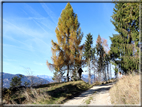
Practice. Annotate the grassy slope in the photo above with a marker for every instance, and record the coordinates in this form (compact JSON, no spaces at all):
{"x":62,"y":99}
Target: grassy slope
{"x":126,"y":90}
{"x":55,"y":93}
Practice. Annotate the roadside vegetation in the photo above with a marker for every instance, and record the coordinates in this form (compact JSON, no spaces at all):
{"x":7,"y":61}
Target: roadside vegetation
{"x":89,"y":100}
{"x":124,"y":53}
{"x":54,"y":93}
{"x":126,"y":90}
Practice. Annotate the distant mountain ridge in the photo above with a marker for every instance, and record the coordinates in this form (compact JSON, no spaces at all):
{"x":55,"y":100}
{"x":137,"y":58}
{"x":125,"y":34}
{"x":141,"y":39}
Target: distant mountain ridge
{"x":8,"y":77}
{"x":38,"y":79}
{"x":85,"y":78}
{"x":46,"y":77}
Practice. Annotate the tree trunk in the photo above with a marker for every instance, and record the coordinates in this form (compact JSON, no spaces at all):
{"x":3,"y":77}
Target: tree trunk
{"x":99,"y":74}
{"x":60,"y":77}
{"x":68,"y":74}
{"x":110,"y":71}
{"x":94,"y":76}
{"x":104,"y":70}
{"x":107,"y":72}
{"x":89,"y":76}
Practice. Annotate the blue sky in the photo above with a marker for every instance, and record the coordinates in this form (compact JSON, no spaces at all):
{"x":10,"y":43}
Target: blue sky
{"x":28,"y":29}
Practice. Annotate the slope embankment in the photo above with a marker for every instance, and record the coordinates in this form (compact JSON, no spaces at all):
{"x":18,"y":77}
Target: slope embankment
{"x":54,"y":93}
{"x":126,"y":90}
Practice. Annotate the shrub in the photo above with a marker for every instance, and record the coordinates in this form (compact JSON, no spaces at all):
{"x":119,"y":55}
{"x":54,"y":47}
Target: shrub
{"x":26,"y":84}
{"x":97,"y":83}
{"x":16,"y":81}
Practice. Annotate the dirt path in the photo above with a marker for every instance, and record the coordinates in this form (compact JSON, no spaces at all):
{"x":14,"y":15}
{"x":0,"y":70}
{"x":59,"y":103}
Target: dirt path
{"x":97,"y":95}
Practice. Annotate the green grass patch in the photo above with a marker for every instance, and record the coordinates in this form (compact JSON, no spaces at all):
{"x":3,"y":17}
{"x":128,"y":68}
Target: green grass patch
{"x":89,"y":100}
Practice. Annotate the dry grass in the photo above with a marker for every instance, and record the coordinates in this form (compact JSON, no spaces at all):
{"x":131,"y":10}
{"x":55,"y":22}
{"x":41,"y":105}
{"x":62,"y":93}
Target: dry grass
{"x":56,"y":93}
{"x":97,"y":83}
{"x":105,"y":82}
{"x":111,"y":80}
{"x":126,"y":90}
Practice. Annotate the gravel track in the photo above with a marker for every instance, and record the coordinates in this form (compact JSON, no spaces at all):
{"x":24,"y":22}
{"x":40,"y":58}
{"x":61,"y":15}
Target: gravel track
{"x":100,"y":96}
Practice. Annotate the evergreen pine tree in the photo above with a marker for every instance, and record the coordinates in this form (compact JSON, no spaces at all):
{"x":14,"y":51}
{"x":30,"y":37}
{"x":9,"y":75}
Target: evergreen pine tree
{"x":124,"y":47}
{"x":16,"y":81}
{"x":101,"y":55}
{"x":88,"y":53}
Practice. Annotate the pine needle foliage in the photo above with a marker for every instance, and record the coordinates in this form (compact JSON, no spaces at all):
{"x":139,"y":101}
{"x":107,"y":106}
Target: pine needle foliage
{"x":124,"y":47}
{"x":88,"y":46}
{"x":16,"y":81}
{"x":89,"y":53}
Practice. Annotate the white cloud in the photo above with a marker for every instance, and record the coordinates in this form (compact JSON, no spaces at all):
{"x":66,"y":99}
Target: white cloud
{"x":32,"y":36}
{"x":40,"y":26}
{"x":11,"y":46}
{"x":26,"y":26}
{"x":39,"y":63}
{"x":10,"y":60}
{"x":21,"y":30}
{"x":43,"y":21}
{"x":24,"y":12}
{"x":23,"y":47}
{"x":8,"y":67}
{"x":37,"y":45}
{"x":49,"y":12}
{"x":31,"y":10}
{"x":47,"y":24}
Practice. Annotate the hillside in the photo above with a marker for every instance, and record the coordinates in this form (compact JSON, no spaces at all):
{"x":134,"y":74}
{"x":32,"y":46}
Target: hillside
{"x":53,"y":93}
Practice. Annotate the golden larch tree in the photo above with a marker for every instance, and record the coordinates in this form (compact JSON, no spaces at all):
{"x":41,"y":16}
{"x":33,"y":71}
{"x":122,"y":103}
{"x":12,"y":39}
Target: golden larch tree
{"x":66,"y":53}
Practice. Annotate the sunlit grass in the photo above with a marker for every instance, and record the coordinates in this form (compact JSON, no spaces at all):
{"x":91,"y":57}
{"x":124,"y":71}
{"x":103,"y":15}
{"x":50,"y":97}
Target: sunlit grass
{"x":89,"y":100}
{"x":126,"y":90}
